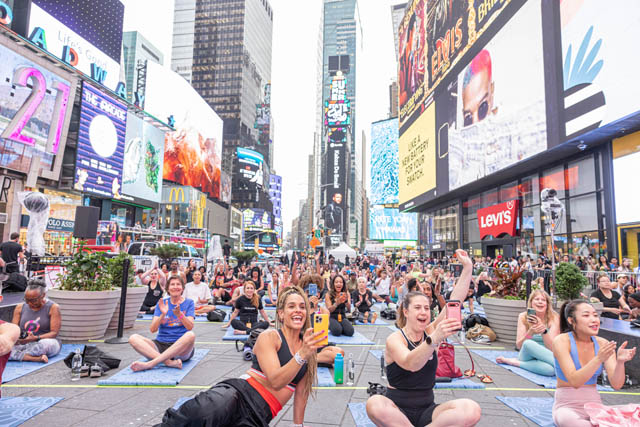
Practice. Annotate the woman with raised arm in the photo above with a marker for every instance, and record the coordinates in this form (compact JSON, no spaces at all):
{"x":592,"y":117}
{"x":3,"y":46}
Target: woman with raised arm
{"x":284,"y":365}
{"x":411,"y":357}
{"x":580,"y":355}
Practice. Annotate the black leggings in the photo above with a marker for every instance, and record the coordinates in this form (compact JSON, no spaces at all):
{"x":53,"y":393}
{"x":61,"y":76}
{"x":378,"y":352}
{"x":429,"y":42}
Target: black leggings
{"x":230,"y":403}
{"x":416,"y":405}
{"x":239,"y":325}
{"x":341,"y":328}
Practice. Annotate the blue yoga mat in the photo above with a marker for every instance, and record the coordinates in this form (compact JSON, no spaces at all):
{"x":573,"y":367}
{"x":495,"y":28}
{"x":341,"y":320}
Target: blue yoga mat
{"x":378,"y":322}
{"x":546,"y":382}
{"x":17,"y":410}
{"x":325,"y":378}
{"x":359,"y":414}
{"x":230,"y":336}
{"x":536,"y":409}
{"x":180,"y":401}
{"x":357,"y":338}
{"x":15,"y":369}
{"x":230,"y":308}
{"x":160,"y":375}
{"x":149,"y":317}
{"x":377,"y":353}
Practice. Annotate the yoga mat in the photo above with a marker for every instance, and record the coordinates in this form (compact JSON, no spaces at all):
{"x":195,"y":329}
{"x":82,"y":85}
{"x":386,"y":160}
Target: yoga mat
{"x":325,"y":378}
{"x":15,"y":369}
{"x":359,"y":414}
{"x":202,"y":318}
{"x":357,"y":338}
{"x":377,"y":353}
{"x":230,"y":308}
{"x":230,"y":336}
{"x":160,"y":375}
{"x":378,"y":322}
{"x":180,"y":401}
{"x":17,"y":410}
{"x":546,"y":382}
{"x":536,"y":409}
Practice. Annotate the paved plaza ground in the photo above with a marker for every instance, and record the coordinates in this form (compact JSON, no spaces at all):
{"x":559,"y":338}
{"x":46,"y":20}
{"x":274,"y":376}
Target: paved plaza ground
{"x":86,"y":404}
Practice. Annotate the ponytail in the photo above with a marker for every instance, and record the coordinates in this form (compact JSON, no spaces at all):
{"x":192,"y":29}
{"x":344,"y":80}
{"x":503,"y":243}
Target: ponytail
{"x":568,"y":311}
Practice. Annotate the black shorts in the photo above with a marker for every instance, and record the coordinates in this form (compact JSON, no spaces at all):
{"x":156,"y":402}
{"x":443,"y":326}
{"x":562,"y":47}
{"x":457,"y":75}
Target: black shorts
{"x":416,"y":405}
{"x":163,"y":346}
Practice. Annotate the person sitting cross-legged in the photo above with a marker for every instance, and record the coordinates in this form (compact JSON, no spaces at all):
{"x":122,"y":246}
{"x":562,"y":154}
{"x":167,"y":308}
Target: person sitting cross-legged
{"x":244,"y":318}
{"x":173,"y":319}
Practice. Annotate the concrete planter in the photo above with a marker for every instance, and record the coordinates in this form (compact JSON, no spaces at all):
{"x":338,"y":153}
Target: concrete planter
{"x":85,"y":314}
{"x":135,"y":297}
{"x":502,"y":315}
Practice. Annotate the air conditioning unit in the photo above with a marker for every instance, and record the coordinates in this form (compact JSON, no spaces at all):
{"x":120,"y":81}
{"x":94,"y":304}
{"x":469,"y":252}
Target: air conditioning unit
{"x":3,"y":218}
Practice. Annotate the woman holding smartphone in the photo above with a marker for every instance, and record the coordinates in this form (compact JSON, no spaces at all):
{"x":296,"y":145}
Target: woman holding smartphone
{"x":338,"y":302}
{"x":412,"y":360}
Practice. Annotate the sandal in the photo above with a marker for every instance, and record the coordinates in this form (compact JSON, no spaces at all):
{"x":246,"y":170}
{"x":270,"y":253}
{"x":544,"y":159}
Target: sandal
{"x":96,"y":371}
{"x":485,"y":379}
{"x":470,"y":373}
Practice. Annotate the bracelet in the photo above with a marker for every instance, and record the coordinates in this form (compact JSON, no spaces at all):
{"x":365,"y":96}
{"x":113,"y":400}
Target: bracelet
{"x":299,"y":360}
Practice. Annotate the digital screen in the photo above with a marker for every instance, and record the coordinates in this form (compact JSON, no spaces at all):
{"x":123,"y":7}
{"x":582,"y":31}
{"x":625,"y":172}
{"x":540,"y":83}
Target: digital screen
{"x":256,"y":219}
{"x":225,"y":187}
{"x":337,"y":108}
{"x":143,"y":160}
{"x":100,"y":156}
{"x":34,"y":114}
{"x":626,"y":159}
{"x":390,"y":224}
{"x":384,"y":162}
{"x":193,"y":152}
{"x":335,"y":212}
{"x":250,"y":166}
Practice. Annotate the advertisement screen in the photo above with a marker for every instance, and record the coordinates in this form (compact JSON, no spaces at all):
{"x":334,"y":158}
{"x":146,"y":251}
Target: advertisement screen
{"x":600,"y":73}
{"x":384,"y":162}
{"x":35,"y":110}
{"x":626,"y":158}
{"x":417,"y":157}
{"x":85,"y":34}
{"x":390,"y":224}
{"x":103,"y":122}
{"x":251,"y":166}
{"x":254,"y":219}
{"x":335,"y":213}
{"x":193,"y":153}
{"x":225,"y":187}
{"x":143,"y":160}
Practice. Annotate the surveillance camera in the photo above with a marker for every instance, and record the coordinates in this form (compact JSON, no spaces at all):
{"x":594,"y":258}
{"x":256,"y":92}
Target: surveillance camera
{"x":582,"y":146}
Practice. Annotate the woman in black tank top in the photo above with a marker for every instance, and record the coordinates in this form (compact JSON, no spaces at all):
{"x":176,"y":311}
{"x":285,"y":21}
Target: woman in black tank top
{"x":411,"y":356}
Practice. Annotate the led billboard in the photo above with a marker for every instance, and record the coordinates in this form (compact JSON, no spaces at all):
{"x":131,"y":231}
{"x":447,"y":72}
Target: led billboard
{"x":390,"y":224}
{"x":225,"y":187}
{"x":256,"y":219}
{"x":384,"y":162}
{"x":250,"y":166}
{"x":193,"y":152}
{"x":143,"y":160}
{"x":100,"y":144}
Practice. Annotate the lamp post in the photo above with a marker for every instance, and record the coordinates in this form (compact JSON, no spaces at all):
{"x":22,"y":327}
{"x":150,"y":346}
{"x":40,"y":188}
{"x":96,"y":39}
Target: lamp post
{"x":553,"y":208}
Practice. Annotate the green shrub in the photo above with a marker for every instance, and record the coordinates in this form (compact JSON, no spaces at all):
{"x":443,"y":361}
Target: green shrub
{"x":569,"y":281}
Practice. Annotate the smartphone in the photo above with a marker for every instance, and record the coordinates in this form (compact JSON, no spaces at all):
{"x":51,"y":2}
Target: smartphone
{"x":531,"y":312}
{"x":453,"y":310}
{"x":313,"y":290}
{"x":321,"y":323}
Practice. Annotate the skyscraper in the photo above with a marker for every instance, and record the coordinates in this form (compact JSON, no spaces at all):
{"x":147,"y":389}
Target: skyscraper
{"x":136,"y":48}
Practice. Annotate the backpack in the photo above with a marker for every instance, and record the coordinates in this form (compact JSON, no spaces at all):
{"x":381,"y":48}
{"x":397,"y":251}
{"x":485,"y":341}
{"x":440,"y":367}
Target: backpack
{"x":216,"y":315}
{"x":253,"y":337}
{"x":473,"y":320}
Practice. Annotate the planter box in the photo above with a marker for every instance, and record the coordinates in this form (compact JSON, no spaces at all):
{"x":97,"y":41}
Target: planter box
{"x":502,"y":315}
{"x":135,"y":297}
{"x":85,"y":314}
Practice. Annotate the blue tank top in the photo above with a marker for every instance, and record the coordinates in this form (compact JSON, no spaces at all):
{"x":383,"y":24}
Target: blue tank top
{"x":576,"y":361}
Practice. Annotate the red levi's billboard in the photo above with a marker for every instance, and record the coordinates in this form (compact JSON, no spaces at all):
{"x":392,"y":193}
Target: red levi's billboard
{"x":498,"y":219}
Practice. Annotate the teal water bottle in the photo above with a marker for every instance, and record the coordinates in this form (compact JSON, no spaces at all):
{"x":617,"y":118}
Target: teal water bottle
{"x":338,"y":369}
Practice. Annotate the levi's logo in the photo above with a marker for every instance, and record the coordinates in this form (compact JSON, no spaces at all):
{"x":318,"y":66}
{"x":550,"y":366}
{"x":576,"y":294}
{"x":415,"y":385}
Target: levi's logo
{"x":498,"y":219}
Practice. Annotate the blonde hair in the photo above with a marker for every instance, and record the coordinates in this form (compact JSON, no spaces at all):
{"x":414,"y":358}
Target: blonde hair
{"x":255,"y":299}
{"x":312,"y":363}
{"x":549,"y":314}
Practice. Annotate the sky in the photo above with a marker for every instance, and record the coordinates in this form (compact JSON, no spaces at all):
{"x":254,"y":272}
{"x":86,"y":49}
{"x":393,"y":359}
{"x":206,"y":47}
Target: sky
{"x":294,"y":79}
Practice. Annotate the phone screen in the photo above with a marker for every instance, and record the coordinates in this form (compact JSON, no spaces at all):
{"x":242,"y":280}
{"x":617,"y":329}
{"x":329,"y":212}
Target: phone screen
{"x":313,"y":290}
{"x":531,"y":311}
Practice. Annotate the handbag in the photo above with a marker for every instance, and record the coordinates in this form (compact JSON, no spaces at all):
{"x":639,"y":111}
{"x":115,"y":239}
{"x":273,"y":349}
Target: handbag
{"x":481,"y":330}
{"x":447,"y":361}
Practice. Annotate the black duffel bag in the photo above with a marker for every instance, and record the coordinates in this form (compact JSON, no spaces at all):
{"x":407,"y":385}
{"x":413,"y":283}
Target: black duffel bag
{"x":216,"y":315}
{"x":92,"y":355}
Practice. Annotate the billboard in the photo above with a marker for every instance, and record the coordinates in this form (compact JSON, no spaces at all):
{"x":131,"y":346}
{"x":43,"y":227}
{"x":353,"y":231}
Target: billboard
{"x":417,"y":157}
{"x":35,"y":111}
{"x":193,"y":152}
{"x":100,"y":144}
{"x":85,"y":34}
{"x":335,"y":212}
{"x":390,"y":224}
{"x":384,"y":162}
{"x":225,"y":187}
{"x":250,"y":166}
{"x":143,"y":160}
{"x":256,"y":219}
{"x":337,"y":108}
{"x":626,"y":158}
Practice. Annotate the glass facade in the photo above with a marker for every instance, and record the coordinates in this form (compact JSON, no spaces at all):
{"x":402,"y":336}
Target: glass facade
{"x":136,"y":48}
{"x":438,"y":230}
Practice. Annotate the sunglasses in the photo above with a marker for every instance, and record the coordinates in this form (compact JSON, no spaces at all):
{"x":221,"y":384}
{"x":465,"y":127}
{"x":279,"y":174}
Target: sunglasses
{"x":483,"y":110}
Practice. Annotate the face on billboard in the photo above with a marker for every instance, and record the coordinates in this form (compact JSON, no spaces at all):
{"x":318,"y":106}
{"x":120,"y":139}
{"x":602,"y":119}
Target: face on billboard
{"x":384,"y":162}
{"x":335,"y":216}
{"x":251,"y":166}
{"x":256,"y":219}
{"x":143,"y":160}
{"x":34,"y":114}
{"x":100,"y":144}
{"x":225,"y":187}
{"x":390,"y":224}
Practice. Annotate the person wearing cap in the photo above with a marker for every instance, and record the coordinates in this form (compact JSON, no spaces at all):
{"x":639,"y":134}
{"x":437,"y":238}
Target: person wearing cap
{"x":622,"y":281}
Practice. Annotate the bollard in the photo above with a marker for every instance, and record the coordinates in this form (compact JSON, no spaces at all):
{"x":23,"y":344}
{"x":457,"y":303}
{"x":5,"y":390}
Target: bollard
{"x":118,"y":339}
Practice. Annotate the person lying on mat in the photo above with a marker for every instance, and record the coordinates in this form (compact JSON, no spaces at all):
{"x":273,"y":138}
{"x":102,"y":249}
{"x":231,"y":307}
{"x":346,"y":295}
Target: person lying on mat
{"x":411,"y":358}
{"x":245,"y":316}
{"x":156,"y":282}
{"x":284,"y":365}
{"x":198,"y":292}
{"x":363,"y":301}
{"x":338,"y":302}
{"x":535,"y":335}
{"x":579,"y":356}
{"x":173,"y":320}
{"x":39,"y":321}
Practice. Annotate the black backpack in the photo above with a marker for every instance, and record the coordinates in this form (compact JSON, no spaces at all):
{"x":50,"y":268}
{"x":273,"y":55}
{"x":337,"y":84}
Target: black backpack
{"x":474,"y":319}
{"x":216,"y":315}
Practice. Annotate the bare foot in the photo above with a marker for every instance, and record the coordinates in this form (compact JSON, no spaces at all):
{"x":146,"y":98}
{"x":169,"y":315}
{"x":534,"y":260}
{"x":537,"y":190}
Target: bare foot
{"x":44,"y":358}
{"x":237,"y":332}
{"x":507,"y":361}
{"x":138,"y":366}
{"x":173,"y":363}
{"x":375,"y":317}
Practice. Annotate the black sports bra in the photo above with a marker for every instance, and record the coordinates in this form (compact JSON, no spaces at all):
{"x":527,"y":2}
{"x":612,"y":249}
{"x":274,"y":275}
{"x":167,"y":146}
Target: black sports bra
{"x":424,"y":379}
{"x":284,"y":355}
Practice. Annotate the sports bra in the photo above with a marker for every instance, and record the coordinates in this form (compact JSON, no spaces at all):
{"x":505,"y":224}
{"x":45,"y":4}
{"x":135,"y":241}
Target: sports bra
{"x":284,"y":355}
{"x":576,"y":361}
{"x":424,"y":379}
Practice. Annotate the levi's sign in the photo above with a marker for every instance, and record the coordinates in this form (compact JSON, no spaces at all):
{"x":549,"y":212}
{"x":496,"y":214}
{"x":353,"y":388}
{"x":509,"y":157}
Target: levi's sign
{"x":498,"y":219}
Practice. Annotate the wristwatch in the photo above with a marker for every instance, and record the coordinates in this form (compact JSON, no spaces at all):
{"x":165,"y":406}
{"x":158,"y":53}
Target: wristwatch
{"x":545,"y":331}
{"x":428,"y":340}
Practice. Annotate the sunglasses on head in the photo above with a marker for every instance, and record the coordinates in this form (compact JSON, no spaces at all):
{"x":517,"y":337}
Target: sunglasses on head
{"x":483,"y":110}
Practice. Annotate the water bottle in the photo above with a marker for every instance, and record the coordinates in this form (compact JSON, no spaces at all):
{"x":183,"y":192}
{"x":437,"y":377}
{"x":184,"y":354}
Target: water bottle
{"x":383,"y":368}
{"x":338,"y":369}
{"x":351,"y":370}
{"x":605,"y":379}
{"x":76,"y":365}
{"x":461,"y":336}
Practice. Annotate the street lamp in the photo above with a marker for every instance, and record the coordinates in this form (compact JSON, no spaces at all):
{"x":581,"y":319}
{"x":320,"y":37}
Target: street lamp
{"x":553,"y":209}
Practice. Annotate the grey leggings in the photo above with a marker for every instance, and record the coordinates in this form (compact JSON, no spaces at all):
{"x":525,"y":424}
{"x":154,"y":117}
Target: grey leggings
{"x":48,"y":346}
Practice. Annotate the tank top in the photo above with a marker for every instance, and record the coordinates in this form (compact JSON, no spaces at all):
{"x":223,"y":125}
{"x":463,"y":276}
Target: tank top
{"x":341,"y":309}
{"x":424,"y":379}
{"x":36,"y":322}
{"x":284,"y":356}
{"x":153,"y":295}
{"x":576,"y":361}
